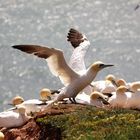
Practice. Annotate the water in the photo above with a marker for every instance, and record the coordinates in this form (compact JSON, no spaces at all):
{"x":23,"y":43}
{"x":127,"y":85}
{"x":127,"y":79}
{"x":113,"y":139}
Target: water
{"x":112,"y":27}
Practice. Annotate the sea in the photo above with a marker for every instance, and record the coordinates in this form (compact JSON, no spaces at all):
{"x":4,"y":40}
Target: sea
{"x":111,"y":26}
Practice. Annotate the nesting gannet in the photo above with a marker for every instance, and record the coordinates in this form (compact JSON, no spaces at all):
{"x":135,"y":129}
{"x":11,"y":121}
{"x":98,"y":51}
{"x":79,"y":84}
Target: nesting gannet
{"x":33,"y":105}
{"x":1,"y":136}
{"x":13,"y":118}
{"x":133,"y":101}
{"x":105,"y":86}
{"x":119,"y":98}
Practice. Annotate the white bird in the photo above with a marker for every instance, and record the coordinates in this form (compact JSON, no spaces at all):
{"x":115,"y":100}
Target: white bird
{"x":105,"y":86}
{"x":72,"y":81}
{"x":32,"y":105}
{"x":119,"y":98}
{"x":133,"y":101}
{"x":95,"y":99}
{"x":14,"y":118}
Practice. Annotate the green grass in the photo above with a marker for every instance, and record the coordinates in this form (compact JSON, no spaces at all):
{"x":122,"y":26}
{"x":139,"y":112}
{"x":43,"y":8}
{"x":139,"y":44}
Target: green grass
{"x":90,"y":123}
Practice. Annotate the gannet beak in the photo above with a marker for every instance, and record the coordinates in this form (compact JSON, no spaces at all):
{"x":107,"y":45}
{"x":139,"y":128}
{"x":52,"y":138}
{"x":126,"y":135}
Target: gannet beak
{"x":14,"y":108}
{"x":107,"y":65}
{"x":104,"y":101}
{"x":128,"y":90}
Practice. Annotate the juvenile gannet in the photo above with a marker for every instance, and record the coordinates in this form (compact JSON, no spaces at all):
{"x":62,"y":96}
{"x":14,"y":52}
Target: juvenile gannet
{"x":13,"y":118}
{"x":119,"y":98}
{"x":1,"y":136}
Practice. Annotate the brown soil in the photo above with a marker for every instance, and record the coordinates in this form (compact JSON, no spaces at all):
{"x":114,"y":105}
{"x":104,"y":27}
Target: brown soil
{"x":37,"y":131}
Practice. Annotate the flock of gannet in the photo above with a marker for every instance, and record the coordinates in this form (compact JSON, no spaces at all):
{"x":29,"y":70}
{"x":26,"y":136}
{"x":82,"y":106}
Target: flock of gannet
{"x":79,"y":86}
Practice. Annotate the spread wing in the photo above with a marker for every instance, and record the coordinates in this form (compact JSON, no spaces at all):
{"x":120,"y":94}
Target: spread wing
{"x":80,"y":44}
{"x":55,"y":60}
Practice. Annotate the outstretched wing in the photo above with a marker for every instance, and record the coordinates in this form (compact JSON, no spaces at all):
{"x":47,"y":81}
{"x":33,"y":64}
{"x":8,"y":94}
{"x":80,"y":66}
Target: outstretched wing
{"x":55,"y":59}
{"x":80,"y":44}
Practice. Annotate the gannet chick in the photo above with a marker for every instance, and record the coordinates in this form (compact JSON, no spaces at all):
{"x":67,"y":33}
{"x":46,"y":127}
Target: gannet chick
{"x":14,"y":118}
{"x":98,"y":99}
{"x":119,"y":98}
{"x":1,"y":136}
{"x":105,"y":86}
{"x":60,"y":68}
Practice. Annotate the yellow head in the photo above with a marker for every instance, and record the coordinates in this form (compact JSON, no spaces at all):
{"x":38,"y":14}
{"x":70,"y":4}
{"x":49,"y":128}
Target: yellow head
{"x":135,"y":86}
{"x":97,"y":66}
{"x":21,"y":109}
{"x":110,"y":77}
{"x":122,"y":90}
{"x":45,"y":93}
{"x":17,"y":100}
{"x":1,"y":136}
{"x":121,"y":82}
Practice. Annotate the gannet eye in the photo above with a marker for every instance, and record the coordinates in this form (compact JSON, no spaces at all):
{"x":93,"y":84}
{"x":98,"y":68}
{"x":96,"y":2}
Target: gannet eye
{"x":101,"y":65}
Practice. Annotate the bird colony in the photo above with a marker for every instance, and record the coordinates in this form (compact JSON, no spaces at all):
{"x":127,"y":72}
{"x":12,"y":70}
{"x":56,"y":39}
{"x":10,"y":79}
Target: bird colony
{"x":79,"y":86}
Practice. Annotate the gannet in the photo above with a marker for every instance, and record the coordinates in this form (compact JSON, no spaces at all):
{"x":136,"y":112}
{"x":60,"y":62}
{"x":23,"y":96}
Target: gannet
{"x":32,"y":105}
{"x":95,"y":99}
{"x":119,"y":98}
{"x":13,"y":118}
{"x":105,"y":86}
{"x":133,"y":101}
{"x":72,"y":81}
{"x":1,"y":136}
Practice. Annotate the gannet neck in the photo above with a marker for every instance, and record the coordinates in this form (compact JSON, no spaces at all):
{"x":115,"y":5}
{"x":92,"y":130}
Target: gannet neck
{"x":1,"y":136}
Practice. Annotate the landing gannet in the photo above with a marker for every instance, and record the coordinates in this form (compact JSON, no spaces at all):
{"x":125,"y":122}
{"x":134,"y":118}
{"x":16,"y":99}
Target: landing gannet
{"x":73,"y":81}
{"x":12,"y":118}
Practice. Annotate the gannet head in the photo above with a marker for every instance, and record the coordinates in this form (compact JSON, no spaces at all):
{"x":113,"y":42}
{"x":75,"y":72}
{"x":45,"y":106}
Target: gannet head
{"x":97,"y":66}
{"x":21,"y":109}
{"x":121,"y":82}
{"x":17,"y":100}
{"x":1,"y":136}
{"x":122,"y":90}
{"x":111,"y":78}
{"x":99,"y":97}
{"x":135,"y":86}
{"x":44,"y":94}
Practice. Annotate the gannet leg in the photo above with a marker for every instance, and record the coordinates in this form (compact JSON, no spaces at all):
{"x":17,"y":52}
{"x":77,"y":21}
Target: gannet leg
{"x":74,"y":101}
{"x":71,"y":100}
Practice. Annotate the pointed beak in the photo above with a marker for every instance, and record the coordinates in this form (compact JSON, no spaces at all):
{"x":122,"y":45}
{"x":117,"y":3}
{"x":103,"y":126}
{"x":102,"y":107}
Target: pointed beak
{"x":104,"y":101}
{"x":14,"y":108}
{"x":128,"y":90}
{"x":107,"y":65}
